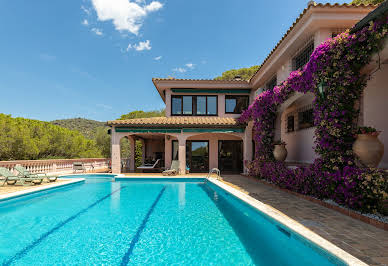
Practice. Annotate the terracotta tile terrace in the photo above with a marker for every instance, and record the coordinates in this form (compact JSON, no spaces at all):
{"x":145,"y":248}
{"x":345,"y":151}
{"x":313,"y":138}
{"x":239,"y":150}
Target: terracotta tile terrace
{"x":364,"y":241}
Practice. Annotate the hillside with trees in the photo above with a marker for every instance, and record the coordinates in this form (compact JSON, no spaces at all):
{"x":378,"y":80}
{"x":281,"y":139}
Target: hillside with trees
{"x":86,"y":127}
{"x":142,"y":114}
{"x":98,"y":132}
{"x":27,"y":139}
{"x":245,"y":73}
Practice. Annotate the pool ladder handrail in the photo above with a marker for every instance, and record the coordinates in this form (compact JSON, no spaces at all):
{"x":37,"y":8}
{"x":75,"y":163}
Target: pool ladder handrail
{"x":216,"y":171}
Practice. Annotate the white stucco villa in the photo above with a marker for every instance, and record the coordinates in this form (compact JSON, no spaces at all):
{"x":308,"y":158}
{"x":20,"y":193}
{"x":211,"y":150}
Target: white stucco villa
{"x":200,"y":127}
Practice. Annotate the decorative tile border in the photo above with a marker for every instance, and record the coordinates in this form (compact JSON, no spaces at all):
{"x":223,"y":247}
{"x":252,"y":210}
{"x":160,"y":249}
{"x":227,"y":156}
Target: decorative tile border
{"x":291,"y":224}
{"x":33,"y":190}
{"x":344,"y":211}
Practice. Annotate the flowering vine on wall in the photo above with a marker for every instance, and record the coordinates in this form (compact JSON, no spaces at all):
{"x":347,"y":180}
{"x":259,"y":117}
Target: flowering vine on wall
{"x":333,"y":74}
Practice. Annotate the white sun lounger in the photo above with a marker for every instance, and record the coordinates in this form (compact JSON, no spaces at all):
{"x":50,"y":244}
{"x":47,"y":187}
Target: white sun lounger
{"x":150,"y":166}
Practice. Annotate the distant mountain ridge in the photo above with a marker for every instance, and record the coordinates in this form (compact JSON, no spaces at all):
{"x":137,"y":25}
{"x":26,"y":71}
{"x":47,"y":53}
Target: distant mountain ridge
{"x":86,"y":127}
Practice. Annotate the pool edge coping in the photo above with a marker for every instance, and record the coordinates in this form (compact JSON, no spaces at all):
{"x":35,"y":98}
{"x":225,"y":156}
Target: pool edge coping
{"x":290,"y":223}
{"x":32,"y":190}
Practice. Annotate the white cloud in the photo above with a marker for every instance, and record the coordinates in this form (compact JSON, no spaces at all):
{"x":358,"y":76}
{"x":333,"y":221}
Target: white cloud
{"x":158,"y":58}
{"x":125,"y":15}
{"x":190,"y":65}
{"x":141,"y":46}
{"x":86,"y":10}
{"x":179,"y":69}
{"x":85,"y":22}
{"x":97,"y":31}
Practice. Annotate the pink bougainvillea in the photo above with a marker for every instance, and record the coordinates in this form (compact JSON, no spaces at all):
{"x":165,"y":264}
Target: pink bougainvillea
{"x":334,"y":65}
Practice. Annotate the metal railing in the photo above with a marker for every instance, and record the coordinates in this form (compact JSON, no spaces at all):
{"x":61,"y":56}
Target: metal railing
{"x":215,"y":171}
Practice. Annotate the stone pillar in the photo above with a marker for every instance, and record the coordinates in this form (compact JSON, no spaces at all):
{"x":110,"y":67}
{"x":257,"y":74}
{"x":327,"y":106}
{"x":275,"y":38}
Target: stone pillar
{"x":221,"y":104}
{"x":167,"y":151}
{"x":168,"y":102}
{"x":213,"y":152}
{"x":132,"y":142}
{"x":247,"y":143}
{"x":182,"y":154}
{"x":115,"y":152}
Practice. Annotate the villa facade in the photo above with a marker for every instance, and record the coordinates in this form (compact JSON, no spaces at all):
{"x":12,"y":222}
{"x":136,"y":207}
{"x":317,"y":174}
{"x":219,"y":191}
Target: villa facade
{"x":200,"y":128}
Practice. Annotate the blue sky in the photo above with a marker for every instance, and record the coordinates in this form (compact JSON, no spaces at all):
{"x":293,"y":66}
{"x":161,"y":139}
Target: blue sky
{"x":96,"y":58}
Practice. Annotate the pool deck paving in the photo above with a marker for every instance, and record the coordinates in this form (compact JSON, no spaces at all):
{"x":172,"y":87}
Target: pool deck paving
{"x":12,"y":191}
{"x":16,"y":188}
{"x":364,"y":241}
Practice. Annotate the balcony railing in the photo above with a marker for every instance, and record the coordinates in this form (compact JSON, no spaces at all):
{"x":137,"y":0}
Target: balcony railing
{"x":60,"y":166}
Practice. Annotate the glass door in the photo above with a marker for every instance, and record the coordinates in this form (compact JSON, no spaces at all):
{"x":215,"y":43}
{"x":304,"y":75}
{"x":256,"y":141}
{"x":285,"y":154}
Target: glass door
{"x":197,"y":156}
{"x":230,"y":156}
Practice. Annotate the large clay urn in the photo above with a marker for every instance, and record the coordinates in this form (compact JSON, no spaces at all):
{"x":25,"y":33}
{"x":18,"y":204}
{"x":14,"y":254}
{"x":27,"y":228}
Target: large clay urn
{"x":280,"y":152}
{"x":369,"y":149}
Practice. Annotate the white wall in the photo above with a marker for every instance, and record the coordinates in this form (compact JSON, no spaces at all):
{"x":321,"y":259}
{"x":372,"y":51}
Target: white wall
{"x":300,"y":143}
{"x":375,"y":107}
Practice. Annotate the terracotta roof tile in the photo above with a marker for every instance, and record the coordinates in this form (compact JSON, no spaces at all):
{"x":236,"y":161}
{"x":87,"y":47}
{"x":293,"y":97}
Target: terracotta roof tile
{"x":178,"y":121}
{"x":315,"y":5}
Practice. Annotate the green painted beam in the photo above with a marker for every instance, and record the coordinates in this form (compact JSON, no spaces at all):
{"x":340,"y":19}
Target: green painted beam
{"x":213,"y":130}
{"x":148,"y":130}
{"x":234,"y":91}
{"x":178,"y":130}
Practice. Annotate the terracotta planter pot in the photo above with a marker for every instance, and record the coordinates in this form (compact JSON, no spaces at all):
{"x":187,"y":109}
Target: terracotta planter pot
{"x":369,"y":149}
{"x":280,"y":152}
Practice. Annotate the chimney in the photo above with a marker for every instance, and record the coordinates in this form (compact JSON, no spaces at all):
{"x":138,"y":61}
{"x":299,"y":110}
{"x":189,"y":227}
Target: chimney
{"x":237,"y":78}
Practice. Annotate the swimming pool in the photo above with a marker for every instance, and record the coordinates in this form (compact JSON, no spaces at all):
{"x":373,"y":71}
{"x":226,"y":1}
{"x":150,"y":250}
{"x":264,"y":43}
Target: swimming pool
{"x":146,"y":221}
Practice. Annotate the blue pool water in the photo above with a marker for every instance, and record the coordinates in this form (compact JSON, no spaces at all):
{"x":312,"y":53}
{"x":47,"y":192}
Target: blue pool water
{"x":146,"y":222}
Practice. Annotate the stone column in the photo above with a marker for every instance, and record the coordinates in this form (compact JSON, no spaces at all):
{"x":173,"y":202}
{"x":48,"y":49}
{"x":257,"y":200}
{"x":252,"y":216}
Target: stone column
{"x":247,"y":143}
{"x":221,"y":104}
{"x":213,"y":152}
{"x":167,"y":151}
{"x":132,"y":142}
{"x":168,"y":102}
{"x":182,"y":154}
{"x":115,"y":152}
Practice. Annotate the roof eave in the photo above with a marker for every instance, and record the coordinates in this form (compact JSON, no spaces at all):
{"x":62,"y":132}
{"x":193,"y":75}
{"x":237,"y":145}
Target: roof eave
{"x":301,"y":16}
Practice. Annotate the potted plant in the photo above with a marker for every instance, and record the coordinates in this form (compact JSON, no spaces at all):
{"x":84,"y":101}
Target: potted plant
{"x":367,"y":147}
{"x":280,"y":151}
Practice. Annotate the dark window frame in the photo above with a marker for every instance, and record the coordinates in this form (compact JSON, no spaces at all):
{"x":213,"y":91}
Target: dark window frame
{"x":235,"y":97}
{"x":172,"y":149}
{"x":303,"y":56}
{"x":189,"y":158}
{"x":272,"y":83}
{"x":306,"y":119}
{"x":289,"y":130}
{"x":194,"y":105}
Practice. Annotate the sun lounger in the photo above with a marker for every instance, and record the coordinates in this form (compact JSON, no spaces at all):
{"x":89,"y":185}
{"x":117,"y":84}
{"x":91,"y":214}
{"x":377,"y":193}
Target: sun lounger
{"x":149,"y":166}
{"x":24,"y":172}
{"x":78,"y":167}
{"x":174,"y":169}
{"x":11,"y":179}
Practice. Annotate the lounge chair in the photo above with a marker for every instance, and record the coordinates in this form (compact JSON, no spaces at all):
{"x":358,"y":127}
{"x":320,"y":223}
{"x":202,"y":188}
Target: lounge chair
{"x":25,"y":173}
{"x":149,"y":166}
{"x":78,"y":166}
{"x":174,"y":169}
{"x":11,"y":179}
